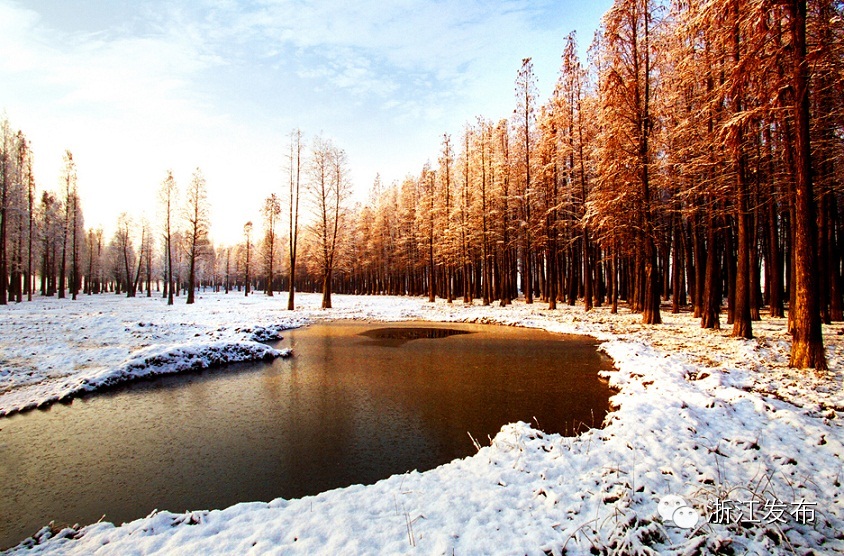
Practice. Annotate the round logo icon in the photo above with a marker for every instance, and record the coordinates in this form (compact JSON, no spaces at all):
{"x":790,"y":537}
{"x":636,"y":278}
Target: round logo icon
{"x":668,"y":505}
{"x":673,"y":508}
{"x":685,"y":517}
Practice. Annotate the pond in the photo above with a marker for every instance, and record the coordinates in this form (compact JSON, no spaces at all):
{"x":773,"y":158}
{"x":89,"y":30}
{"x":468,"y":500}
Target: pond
{"x":356,"y":403}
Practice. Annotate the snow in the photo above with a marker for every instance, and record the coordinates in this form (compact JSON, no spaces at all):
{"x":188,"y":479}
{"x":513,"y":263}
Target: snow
{"x":698,"y":414}
{"x":54,"y":350}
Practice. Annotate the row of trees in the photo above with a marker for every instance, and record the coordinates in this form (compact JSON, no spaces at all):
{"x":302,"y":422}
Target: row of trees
{"x":695,"y":157}
{"x":37,"y":237}
{"x":45,"y":239}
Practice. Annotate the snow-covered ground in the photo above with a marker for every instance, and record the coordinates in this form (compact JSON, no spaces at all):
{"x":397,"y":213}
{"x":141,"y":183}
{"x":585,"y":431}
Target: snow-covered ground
{"x":752,"y":447}
{"x":52,"y":349}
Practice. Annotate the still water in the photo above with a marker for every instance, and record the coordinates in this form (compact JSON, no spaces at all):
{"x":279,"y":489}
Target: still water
{"x":355,"y":404}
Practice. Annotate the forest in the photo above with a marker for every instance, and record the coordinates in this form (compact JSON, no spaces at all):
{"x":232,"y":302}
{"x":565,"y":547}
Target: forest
{"x":692,"y":162}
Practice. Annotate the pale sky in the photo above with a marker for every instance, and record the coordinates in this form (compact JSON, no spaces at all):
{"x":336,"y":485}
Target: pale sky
{"x":135,"y":88}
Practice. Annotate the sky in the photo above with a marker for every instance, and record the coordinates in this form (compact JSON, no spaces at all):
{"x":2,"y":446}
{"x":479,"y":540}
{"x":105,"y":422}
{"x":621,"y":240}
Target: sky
{"x":133,"y":89}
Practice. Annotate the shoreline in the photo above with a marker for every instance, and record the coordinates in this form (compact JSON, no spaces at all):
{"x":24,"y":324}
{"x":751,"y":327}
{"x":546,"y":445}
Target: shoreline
{"x":697,"y":414}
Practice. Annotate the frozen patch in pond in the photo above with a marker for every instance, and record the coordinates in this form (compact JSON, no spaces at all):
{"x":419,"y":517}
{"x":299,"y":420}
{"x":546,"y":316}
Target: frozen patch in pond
{"x":395,"y":336}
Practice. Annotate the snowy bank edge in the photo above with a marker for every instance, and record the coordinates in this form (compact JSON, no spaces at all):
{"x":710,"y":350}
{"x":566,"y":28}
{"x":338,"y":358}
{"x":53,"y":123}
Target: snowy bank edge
{"x":146,"y":363}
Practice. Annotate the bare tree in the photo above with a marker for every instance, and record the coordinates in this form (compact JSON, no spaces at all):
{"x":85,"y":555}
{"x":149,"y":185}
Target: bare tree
{"x":195,"y":214}
{"x":142,"y":255}
{"x":295,"y":167}
{"x":464,"y":211}
{"x":445,"y":228}
{"x":93,"y":276}
{"x":426,"y":214}
{"x":168,"y":193}
{"x":76,"y":226}
{"x":148,"y":246}
{"x":247,"y":236}
{"x":50,"y":234}
{"x":270,"y":211}
{"x":123,"y":243}
{"x":228,"y":268}
{"x":30,"y":194}
{"x":525,"y":119}
{"x":6,"y":177}
{"x":69,"y":183}
{"x":329,"y":188}
{"x":484,"y":144}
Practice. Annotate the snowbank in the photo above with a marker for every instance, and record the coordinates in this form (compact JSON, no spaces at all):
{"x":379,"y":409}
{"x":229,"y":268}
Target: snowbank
{"x":147,"y":362}
{"x":698,"y":415}
{"x":55,"y":349}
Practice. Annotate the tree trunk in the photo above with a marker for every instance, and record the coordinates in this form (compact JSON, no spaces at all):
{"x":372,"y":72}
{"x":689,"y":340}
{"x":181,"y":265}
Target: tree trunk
{"x":587,"y":272}
{"x":326,"y":289}
{"x":6,"y":182}
{"x":432,"y":296}
{"x":712,"y":282}
{"x":774,"y":263}
{"x":836,"y":304}
{"x":192,"y":279}
{"x":807,"y":350}
{"x":677,"y":270}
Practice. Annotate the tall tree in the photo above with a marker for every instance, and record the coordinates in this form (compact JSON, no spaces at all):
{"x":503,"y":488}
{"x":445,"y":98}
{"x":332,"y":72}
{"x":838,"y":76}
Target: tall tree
{"x":144,"y":245}
{"x":464,"y":221}
{"x":148,"y":247}
{"x":484,"y":145}
{"x":548,"y":178}
{"x":195,"y":214}
{"x":568,"y":130}
{"x":446,"y":229}
{"x":167,"y":195}
{"x":504,"y":232}
{"x":270,"y":211}
{"x":69,"y":189}
{"x":76,"y":226}
{"x":6,"y":177}
{"x":30,"y":196}
{"x":247,"y":238}
{"x":627,"y":105}
{"x":295,"y":168}
{"x":427,"y":217}
{"x":807,"y":349}
{"x":50,"y":233}
{"x":742,"y":326}
{"x":123,"y":243}
{"x":93,"y":275}
{"x":329,"y":188}
{"x":525,"y":120}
